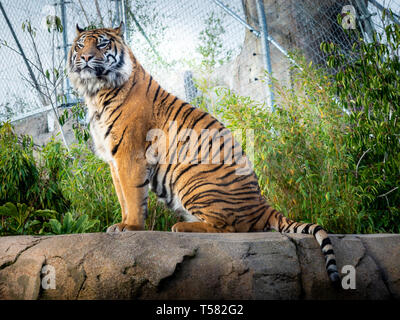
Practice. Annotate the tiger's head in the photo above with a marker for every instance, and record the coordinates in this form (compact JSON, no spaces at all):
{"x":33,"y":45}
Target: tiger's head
{"x":98,"y":59}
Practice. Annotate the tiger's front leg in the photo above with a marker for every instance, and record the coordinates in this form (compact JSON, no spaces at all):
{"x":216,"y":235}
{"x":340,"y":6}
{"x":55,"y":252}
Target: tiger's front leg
{"x":133,"y":186}
{"x":118,"y":190}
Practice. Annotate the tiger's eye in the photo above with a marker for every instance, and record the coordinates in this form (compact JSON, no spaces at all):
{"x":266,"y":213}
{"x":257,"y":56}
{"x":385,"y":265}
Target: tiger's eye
{"x":103,"y":45}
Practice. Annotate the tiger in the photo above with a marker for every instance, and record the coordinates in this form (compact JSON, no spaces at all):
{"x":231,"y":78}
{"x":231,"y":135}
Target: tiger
{"x":153,"y":140}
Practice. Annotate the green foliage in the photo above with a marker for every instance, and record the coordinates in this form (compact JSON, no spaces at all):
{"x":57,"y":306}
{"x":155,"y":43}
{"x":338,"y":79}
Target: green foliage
{"x":27,"y":177}
{"x":70,"y":224}
{"x":211,"y":44}
{"x":50,"y":162}
{"x":53,"y":23}
{"x":368,"y":86}
{"x":18,"y":171}
{"x":20,"y":219}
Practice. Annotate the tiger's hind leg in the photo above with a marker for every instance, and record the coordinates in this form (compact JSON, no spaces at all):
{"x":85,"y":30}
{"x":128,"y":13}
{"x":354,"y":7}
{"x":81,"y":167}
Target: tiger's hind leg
{"x":199,"y":227}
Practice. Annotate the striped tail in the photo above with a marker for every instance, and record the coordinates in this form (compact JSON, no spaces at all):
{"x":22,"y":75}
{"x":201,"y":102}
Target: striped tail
{"x":285,"y":225}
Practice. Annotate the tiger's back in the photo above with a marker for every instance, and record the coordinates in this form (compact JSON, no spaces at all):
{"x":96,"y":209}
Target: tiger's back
{"x":152,"y":139}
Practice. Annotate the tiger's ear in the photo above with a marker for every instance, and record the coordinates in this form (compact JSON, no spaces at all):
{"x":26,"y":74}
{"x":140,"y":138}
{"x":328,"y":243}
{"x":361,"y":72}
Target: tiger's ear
{"x":120,"y":30}
{"x":78,"y":30}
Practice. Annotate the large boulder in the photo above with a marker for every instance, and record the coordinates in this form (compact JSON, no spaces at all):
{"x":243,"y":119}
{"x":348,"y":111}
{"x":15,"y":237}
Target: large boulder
{"x":163,"y":265}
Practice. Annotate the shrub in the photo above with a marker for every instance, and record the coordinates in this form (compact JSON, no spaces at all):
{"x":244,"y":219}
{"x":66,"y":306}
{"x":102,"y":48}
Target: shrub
{"x":18,"y":171}
{"x":51,"y":160}
{"x":70,"y":224}
{"x":368,"y":86}
{"x":29,"y":175}
{"x":21,"y":219}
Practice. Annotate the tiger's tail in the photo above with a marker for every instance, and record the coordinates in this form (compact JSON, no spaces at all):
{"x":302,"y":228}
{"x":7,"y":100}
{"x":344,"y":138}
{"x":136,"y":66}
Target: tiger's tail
{"x":283,"y":224}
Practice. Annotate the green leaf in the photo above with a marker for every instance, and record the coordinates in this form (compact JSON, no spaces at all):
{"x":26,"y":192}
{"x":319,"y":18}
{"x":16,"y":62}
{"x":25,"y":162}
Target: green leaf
{"x":80,"y":224}
{"x":9,"y":209}
{"x":55,"y":225}
{"x":67,"y":223}
{"x":327,"y":196}
{"x":46,"y":213}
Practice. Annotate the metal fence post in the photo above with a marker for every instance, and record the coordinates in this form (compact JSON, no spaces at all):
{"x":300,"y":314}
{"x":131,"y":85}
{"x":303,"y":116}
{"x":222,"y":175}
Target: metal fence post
{"x":117,"y":19}
{"x":65,"y":46}
{"x":262,"y":20}
{"x":366,"y":17}
{"x":124,"y":15}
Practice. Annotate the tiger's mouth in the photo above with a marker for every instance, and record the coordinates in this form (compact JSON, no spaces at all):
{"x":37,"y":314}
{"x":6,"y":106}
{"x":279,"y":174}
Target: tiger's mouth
{"x":88,"y":72}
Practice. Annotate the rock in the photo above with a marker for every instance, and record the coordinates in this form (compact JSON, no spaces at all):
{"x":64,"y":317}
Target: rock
{"x":349,"y":250}
{"x":164,"y":265}
{"x":384,"y":250}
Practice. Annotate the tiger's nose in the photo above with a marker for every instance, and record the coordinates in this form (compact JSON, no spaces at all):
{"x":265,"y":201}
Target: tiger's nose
{"x":86,"y":57}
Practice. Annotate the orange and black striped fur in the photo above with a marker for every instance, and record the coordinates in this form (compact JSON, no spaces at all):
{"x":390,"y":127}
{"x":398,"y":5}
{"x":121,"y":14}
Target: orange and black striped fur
{"x":153,"y":139}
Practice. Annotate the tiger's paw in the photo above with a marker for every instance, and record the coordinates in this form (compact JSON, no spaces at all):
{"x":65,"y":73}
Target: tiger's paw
{"x":122,"y":227}
{"x":178,"y":227}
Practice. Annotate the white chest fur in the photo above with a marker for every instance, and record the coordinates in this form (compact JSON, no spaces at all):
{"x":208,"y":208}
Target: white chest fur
{"x":98,"y":129}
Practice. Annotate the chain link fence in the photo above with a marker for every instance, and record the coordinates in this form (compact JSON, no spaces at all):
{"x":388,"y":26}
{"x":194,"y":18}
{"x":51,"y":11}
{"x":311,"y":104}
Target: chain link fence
{"x":177,"y":41}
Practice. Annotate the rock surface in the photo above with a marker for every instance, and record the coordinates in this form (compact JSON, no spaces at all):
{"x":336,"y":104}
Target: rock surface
{"x":163,"y":265}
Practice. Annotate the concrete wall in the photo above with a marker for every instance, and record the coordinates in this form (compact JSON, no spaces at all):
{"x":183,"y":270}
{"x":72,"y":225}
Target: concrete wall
{"x":164,"y":265}
{"x":42,"y":127}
